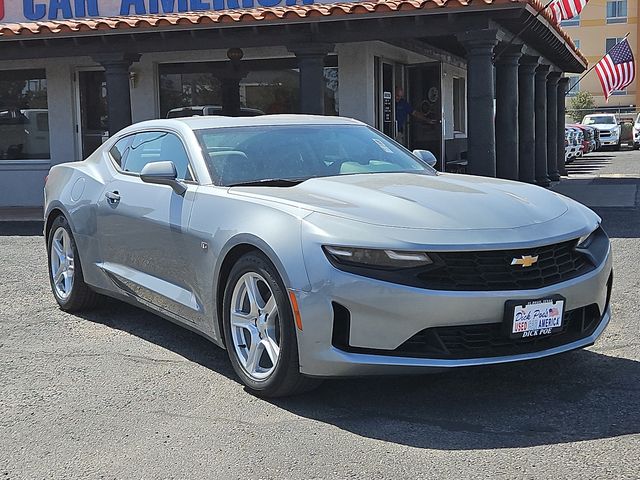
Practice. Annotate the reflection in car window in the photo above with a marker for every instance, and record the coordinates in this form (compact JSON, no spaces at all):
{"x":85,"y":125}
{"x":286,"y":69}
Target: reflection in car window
{"x":252,"y":154}
{"x":151,"y":147}
{"x":120,"y":149}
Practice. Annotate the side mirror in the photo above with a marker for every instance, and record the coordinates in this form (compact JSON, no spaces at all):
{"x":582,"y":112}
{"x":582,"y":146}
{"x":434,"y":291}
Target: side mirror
{"x":162,"y":173}
{"x":426,"y":156}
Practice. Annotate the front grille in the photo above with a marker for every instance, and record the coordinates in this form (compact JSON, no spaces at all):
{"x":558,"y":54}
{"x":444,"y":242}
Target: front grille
{"x":492,"y":270}
{"x":491,"y":339}
{"x":474,"y":341}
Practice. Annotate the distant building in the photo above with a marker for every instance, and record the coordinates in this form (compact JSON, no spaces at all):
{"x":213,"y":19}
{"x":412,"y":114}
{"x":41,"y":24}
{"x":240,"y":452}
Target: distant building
{"x":601,"y":25}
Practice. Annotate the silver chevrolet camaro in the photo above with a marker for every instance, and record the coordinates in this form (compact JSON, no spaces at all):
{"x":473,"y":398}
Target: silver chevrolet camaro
{"x":314,"y":247}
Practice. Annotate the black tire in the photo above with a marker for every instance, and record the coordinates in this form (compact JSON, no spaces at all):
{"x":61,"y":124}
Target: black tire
{"x":81,"y":296}
{"x":286,"y":379}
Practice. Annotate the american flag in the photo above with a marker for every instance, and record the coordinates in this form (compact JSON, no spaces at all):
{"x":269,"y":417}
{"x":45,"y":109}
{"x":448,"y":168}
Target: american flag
{"x":566,"y":9}
{"x":617,"y":69}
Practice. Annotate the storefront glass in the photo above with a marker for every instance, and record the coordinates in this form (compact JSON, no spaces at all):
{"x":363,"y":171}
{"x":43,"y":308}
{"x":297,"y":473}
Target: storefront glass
{"x":262,"y":91}
{"x":24,"y":118}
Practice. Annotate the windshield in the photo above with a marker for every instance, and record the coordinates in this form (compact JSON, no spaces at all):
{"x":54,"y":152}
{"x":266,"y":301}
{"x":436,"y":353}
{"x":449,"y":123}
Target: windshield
{"x":599,"y":119}
{"x":245,"y":155}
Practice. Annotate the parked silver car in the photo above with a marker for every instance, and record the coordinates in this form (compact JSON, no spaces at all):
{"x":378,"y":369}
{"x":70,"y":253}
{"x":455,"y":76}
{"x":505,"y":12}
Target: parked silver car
{"x":313,"y":247}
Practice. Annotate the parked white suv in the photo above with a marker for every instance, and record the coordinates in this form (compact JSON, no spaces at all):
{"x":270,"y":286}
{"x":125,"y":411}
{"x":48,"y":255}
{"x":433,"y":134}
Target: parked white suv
{"x":607,"y":125}
{"x":636,"y":133}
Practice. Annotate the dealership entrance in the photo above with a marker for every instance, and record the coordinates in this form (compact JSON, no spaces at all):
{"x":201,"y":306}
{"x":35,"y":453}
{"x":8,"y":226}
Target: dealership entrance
{"x":95,"y":75}
{"x":92,"y":127}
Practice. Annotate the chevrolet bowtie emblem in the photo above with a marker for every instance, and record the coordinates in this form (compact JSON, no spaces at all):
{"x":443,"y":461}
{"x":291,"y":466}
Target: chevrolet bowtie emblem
{"x":525,"y":260}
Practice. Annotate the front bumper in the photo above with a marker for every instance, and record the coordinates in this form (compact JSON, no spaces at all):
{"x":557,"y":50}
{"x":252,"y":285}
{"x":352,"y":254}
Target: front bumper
{"x":608,"y":142}
{"x":384,"y":315}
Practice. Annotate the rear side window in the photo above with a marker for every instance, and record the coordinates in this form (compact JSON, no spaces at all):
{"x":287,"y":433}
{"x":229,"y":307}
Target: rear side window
{"x":119,"y":151}
{"x":151,"y":147}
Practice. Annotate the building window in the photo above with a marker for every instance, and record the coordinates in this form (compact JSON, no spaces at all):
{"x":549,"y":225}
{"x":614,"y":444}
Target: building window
{"x":574,"y":86}
{"x":271,"y":86}
{"x":612,"y":42}
{"x":617,"y":11}
{"x":572,"y":22}
{"x":459,"y":105}
{"x":24,"y":118}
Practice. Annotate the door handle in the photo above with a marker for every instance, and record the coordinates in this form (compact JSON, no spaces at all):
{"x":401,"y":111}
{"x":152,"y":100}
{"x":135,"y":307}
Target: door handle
{"x":112,"y":197}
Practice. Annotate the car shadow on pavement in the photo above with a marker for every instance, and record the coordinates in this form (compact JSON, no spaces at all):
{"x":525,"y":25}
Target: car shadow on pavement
{"x":154,"y":329}
{"x":573,"y":397}
{"x":577,"y":396}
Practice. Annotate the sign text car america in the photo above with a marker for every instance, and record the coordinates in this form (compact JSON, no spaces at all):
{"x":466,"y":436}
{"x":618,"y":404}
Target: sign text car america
{"x":31,"y":10}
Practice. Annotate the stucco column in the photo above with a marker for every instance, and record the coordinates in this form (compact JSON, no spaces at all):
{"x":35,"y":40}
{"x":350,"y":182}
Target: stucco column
{"x":563,"y":85}
{"x":116,"y":69}
{"x":507,"y":113}
{"x":481,"y":140}
{"x":526,"y":116}
{"x":541,"y":125}
{"x":552,"y":127}
{"x":312,"y":83}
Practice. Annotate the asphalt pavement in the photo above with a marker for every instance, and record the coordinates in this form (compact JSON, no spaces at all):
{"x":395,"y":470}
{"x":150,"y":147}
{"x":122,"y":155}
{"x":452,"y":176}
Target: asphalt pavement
{"x":122,"y":394}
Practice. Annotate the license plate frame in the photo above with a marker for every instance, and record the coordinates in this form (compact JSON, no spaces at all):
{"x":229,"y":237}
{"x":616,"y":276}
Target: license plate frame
{"x":550,"y":324}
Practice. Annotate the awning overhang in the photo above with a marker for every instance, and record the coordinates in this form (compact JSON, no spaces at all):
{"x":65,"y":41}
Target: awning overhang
{"x":434,"y":21}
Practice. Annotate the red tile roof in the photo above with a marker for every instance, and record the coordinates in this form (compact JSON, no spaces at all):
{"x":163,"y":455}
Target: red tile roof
{"x":10,"y":31}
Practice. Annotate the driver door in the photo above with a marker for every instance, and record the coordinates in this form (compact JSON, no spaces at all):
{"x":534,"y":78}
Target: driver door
{"x":143,"y":228}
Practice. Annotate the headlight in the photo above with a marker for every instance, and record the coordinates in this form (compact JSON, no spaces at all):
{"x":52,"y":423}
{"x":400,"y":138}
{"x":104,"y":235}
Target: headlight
{"x":585,"y":240}
{"x":377,"y":258}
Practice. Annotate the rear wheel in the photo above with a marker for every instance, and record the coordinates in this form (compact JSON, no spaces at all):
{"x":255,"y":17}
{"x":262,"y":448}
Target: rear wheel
{"x":259,"y":330}
{"x":65,"y":271}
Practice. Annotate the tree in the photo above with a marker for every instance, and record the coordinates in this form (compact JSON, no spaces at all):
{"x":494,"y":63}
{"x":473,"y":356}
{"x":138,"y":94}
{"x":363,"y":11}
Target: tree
{"x":582,"y":104}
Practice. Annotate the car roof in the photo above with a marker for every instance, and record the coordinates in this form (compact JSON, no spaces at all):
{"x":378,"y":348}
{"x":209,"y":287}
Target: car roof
{"x":199,"y":123}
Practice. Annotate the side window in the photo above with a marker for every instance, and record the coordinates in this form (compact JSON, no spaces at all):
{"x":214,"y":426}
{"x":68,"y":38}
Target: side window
{"x":119,"y":151}
{"x":157,"y":147}
{"x":172,"y":149}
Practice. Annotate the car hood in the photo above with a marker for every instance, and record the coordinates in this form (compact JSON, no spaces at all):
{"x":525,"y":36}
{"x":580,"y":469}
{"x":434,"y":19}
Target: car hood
{"x":405,"y":200}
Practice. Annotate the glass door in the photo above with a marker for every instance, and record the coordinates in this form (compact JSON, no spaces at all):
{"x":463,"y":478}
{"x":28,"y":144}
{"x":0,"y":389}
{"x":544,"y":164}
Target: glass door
{"x":93,"y":119}
{"x":384,"y":87}
{"x":425,"y":95}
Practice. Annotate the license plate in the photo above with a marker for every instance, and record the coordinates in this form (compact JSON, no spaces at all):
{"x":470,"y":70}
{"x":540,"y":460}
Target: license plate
{"x":533,"y":318}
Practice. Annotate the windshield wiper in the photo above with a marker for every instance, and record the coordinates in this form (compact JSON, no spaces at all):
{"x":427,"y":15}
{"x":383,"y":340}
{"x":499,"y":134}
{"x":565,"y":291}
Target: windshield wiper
{"x":270,"y":182}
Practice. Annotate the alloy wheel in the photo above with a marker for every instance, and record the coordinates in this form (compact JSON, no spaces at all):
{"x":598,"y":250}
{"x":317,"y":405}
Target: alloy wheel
{"x":62,"y":263}
{"x":255,"y":326}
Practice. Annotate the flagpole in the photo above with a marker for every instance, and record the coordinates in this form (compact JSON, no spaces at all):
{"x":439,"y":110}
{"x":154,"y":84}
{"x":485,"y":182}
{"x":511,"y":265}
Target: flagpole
{"x":527,"y":25}
{"x":596,"y":64}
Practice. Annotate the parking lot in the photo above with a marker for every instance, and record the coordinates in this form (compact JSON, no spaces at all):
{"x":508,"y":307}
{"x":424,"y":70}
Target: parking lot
{"x":121,"y":393}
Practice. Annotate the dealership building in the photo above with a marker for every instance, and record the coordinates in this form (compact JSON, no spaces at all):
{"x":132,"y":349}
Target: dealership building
{"x":485,"y":101}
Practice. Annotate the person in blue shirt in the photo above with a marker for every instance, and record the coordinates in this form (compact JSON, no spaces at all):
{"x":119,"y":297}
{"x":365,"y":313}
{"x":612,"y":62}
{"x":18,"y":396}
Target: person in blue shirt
{"x":403,"y":111}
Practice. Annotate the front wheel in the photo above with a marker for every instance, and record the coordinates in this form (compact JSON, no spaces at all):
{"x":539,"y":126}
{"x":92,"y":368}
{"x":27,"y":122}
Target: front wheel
{"x":259,"y":330}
